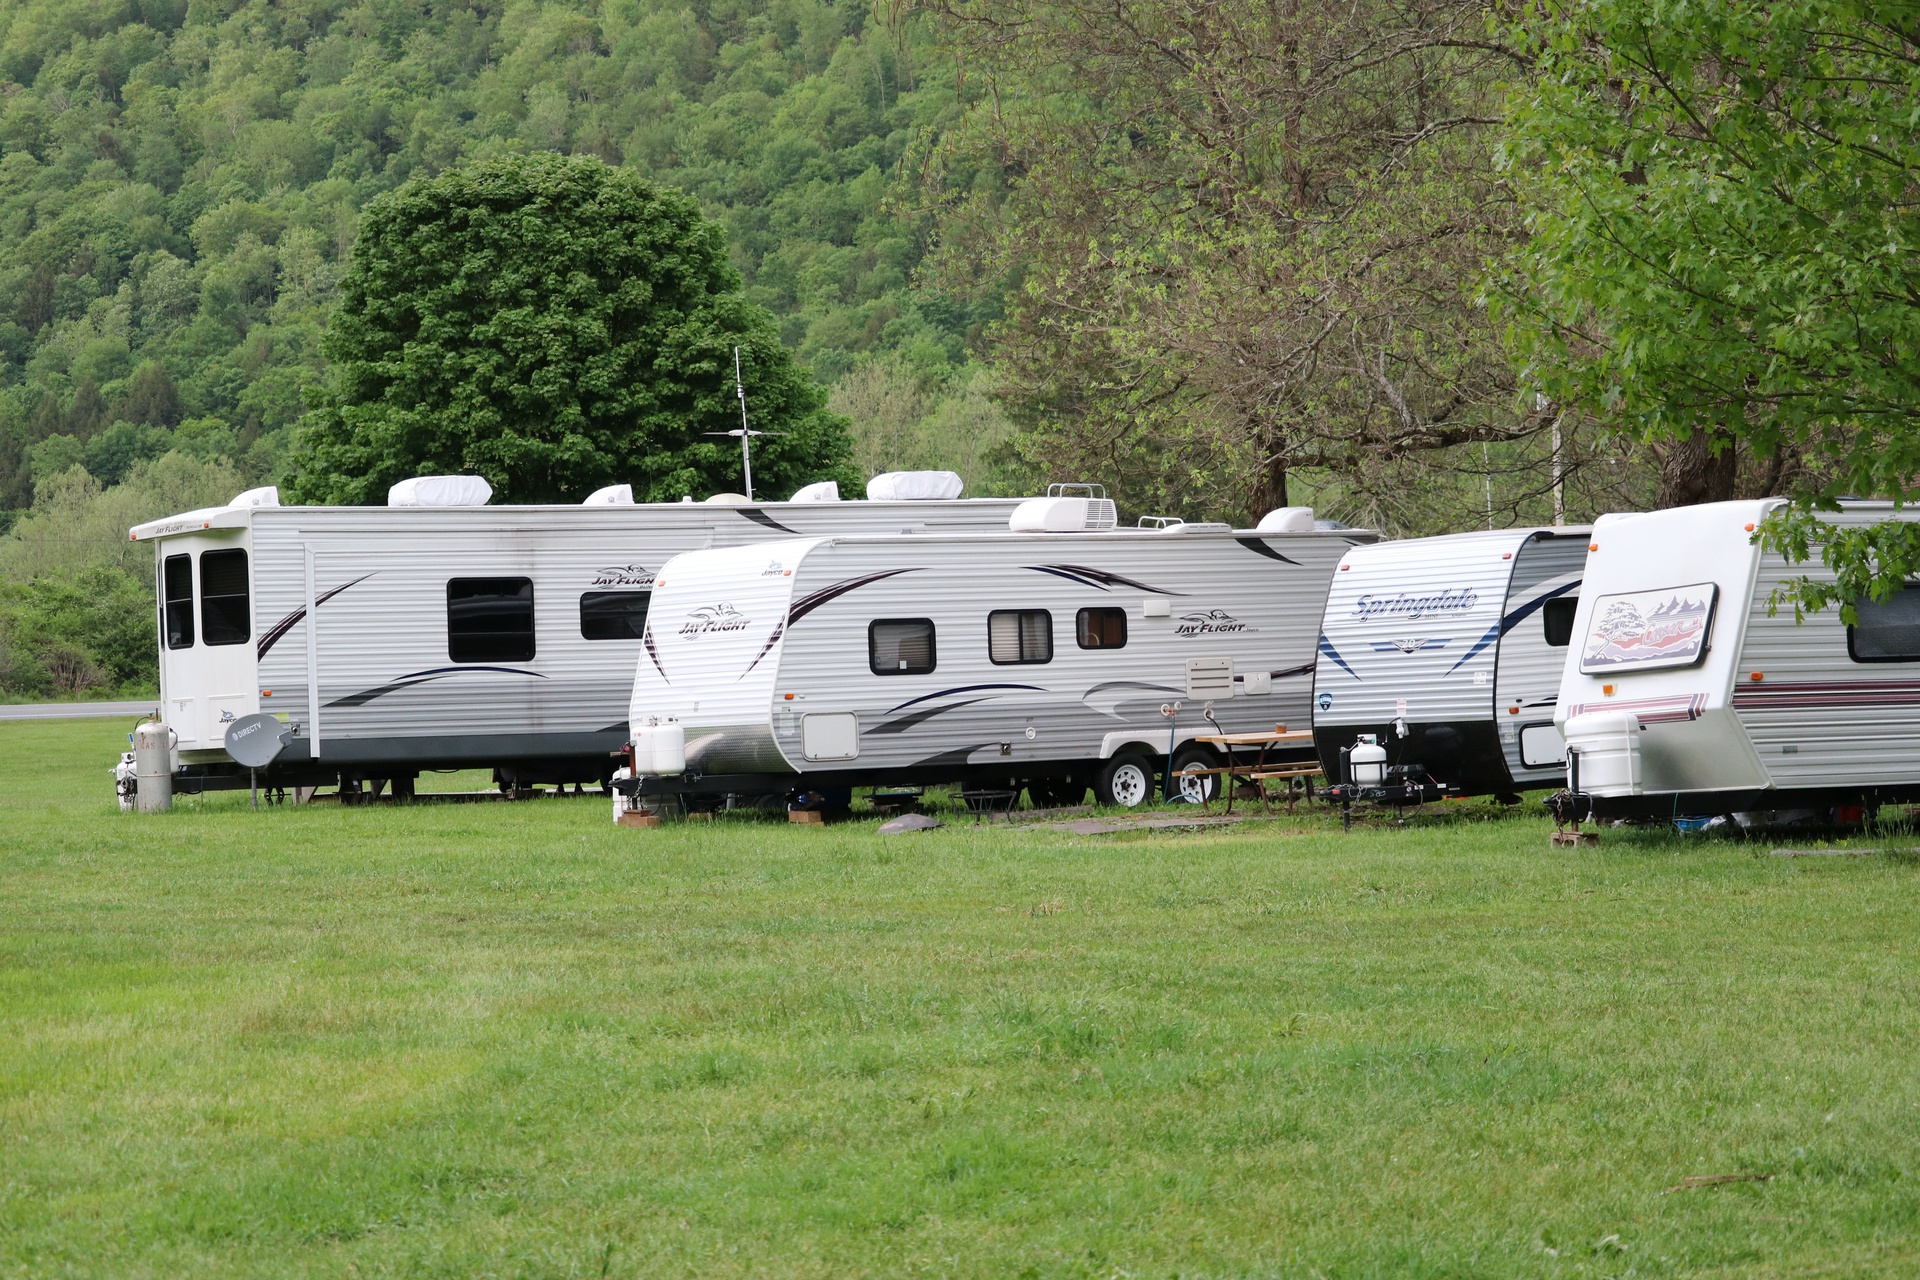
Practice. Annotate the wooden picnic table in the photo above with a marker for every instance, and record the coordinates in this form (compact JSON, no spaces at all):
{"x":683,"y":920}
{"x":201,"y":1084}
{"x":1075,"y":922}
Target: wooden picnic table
{"x":1257,"y":773}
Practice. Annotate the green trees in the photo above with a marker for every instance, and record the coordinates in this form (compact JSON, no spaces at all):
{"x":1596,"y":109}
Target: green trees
{"x":555,"y":325}
{"x":1725,"y":247}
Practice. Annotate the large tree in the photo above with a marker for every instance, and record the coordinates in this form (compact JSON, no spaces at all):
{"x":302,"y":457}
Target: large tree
{"x":1244,"y":240}
{"x":554,"y":324}
{"x":1725,"y":250}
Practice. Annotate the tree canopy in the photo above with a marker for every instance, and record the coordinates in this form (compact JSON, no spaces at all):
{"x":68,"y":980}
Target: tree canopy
{"x":553,"y":324}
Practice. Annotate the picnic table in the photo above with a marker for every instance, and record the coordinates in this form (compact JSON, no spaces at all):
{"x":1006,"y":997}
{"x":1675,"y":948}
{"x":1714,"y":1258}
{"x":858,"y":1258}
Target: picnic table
{"x":1259,"y":773}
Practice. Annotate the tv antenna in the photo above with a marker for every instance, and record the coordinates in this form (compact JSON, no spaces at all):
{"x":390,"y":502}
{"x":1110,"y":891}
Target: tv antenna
{"x":746,"y":434}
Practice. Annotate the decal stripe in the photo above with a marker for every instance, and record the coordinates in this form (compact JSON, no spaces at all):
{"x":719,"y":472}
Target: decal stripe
{"x":1674,"y":708}
{"x":1832,"y":694}
{"x":760,"y":517}
{"x":1514,"y":619}
{"x":1098,"y":577}
{"x":924,"y":714}
{"x":1326,"y":647}
{"x":646,"y":638}
{"x":292,"y":620}
{"x":965,"y":688}
{"x":365,"y":696}
{"x":1258,"y":547}
{"x":827,"y":595}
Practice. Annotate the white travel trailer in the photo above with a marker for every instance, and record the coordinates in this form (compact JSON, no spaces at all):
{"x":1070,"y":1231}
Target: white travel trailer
{"x":1024,"y":659}
{"x":1686,"y":694}
{"x":1446,"y":652}
{"x":441,"y":636}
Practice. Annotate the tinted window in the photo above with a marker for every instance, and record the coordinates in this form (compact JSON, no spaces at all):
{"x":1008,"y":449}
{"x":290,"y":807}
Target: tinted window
{"x":1888,"y":631}
{"x":490,"y":619}
{"x":224,"y":616}
{"x":1019,"y":636}
{"x":900,"y":646}
{"x":614,"y":615}
{"x":1102,"y":628}
{"x":177,"y":611}
{"x":1557,"y":614}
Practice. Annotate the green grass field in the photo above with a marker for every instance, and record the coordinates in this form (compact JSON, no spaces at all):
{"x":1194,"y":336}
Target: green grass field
{"x":511,"y":1040}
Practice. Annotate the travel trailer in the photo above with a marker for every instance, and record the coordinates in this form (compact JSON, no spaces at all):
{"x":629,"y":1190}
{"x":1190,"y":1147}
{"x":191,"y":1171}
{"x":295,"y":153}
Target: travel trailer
{"x":1049,"y":660}
{"x":1444,"y":656}
{"x":1688,"y":694}
{"x":441,"y":632}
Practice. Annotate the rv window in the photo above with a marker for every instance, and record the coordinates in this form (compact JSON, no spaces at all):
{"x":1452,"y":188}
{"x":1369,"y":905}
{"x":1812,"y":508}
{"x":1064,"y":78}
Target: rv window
{"x":614,"y":615}
{"x":1557,"y":614}
{"x":178,"y":614}
{"x":490,"y":619}
{"x":1889,"y":630}
{"x":1019,"y":636}
{"x":224,"y":616}
{"x":1102,"y":628}
{"x":900,"y":646}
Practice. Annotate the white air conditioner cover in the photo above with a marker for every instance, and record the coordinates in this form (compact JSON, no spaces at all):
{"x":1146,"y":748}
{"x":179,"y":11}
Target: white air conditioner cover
{"x":440,"y":491}
{"x":614,"y":495}
{"x":823,"y":491}
{"x":914,"y":486}
{"x":266,"y":496}
{"x":728,"y":499}
{"x":1287,"y":520}
{"x":1062,"y":515}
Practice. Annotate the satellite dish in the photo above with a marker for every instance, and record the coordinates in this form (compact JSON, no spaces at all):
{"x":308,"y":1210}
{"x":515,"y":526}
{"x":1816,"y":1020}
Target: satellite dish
{"x":256,"y":741}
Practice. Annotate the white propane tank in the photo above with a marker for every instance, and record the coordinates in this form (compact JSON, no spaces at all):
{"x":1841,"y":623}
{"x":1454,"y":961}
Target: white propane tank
{"x":1609,"y":747}
{"x":621,"y":801}
{"x":125,"y":779}
{"x":1367,"y":762}
{"x":153,"y":766}
{"x":659,"y":747}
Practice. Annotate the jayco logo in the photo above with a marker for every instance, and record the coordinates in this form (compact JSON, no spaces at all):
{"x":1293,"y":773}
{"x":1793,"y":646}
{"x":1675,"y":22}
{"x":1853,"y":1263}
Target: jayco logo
{"x":774,"y":569}
{"x":1413,"y":608}
{"x":623,"y":575}
{"x":709,"y":618}
{"x":1211,"y":623}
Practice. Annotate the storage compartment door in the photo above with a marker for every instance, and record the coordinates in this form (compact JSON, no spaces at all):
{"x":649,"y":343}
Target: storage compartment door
{"x":830,"y":737}
{"x":1542,"y":747}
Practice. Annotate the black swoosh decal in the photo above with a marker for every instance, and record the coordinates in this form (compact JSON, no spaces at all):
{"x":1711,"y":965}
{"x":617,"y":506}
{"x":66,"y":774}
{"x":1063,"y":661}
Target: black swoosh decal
{"x":646,"y":638}
{"x":760,"y":517}
{"x":1098,"y":578}
{"x":956,"y":757}
{"x":826,"y":595}
{"x":365,"y":696}
{"x":965,"y":688}
{"x":292,"y":620}
{"x":779,"y":629}
{"x":1305,"y":668}
{"x":913,"y":718}
{"x":1260,"y":548}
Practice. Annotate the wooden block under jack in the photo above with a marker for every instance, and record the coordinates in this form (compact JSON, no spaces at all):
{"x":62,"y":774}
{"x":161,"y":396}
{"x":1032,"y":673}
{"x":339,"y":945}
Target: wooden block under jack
{"x":634,"y":818}
{"x":1574,"y":838}
{"x":812,"y":817}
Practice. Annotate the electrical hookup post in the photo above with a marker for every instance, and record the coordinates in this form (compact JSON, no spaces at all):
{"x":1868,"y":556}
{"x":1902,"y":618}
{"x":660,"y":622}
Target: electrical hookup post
{"x":1570,"y":808}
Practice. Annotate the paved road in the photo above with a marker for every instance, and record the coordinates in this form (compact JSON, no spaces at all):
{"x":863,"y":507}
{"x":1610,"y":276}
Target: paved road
{"x":75,"y":710}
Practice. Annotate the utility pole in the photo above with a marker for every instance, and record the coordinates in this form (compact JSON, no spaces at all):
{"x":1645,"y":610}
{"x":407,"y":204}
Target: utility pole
{"x":746,"y":436}
{"x":1559,"y":477}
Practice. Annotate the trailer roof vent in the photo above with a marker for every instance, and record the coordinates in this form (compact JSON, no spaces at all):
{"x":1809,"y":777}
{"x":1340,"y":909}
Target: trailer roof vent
{"x":728,"y":500}
{"x":1287,"y":520}
{"x":824,"y":491}
{"x":1067,"y":508}
{"x":1174,"y":524}
{"x":914,"y":486}
{"x":265,"y":496}
{"x":614,"y":495}
{"x":440,"y":491}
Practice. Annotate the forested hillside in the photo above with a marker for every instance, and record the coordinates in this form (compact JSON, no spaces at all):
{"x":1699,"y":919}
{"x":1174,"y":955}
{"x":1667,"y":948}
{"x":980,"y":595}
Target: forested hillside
{"x":180,"y":183}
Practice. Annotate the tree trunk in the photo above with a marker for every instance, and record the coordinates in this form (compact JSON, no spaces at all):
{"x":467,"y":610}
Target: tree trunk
{"x":1269,"y":488}
{"x":1692,"y":472}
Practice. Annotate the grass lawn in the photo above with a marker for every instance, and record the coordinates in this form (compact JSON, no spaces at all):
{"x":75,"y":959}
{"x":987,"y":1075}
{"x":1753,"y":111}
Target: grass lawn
{"x":511,"y":1040}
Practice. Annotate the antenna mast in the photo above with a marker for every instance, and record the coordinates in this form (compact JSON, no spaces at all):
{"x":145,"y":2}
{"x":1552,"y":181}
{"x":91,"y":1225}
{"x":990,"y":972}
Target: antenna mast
{"x":746,"y":436}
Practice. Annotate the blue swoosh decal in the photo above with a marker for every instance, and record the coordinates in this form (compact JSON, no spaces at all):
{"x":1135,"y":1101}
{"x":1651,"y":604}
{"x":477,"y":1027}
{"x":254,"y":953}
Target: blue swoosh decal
{"x":1514,"y":619}
{"x":1326,"y":647}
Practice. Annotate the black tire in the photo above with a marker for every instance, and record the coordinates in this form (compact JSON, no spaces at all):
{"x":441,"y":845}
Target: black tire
{"x":1203,"y":787}
{"x":1125,"y":781}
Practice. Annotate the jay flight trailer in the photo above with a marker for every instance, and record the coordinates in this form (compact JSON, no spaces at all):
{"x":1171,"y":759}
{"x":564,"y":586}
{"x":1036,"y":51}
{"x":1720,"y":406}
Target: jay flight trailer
{"x":1020,"y":659}
{"x":440,"y":636}
{"x":1685,"y":694}
{"x":1447,"y":652}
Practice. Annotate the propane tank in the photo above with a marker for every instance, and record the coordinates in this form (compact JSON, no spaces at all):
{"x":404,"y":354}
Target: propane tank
{"x":153,"y":766}
{"x":1367,"y":762}
{"x":621,"y":801}
{"x":659,"y":746}
{"x":125,"y":778}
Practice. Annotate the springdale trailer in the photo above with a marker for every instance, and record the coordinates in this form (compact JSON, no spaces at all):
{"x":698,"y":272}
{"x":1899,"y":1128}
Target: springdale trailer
{"x":1687,"y":693}
{"x":1041,"y":660}
{"x":1445,"y":654}
{"x":441,"y":636}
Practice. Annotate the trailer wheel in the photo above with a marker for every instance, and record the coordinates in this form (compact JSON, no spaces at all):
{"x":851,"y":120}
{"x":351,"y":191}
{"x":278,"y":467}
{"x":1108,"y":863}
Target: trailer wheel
{"x":1125,"y":781}
{"x":1198,"y":786}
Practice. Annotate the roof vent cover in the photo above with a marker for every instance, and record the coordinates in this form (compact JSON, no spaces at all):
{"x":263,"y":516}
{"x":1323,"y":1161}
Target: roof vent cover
{"x":440,"y":491}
